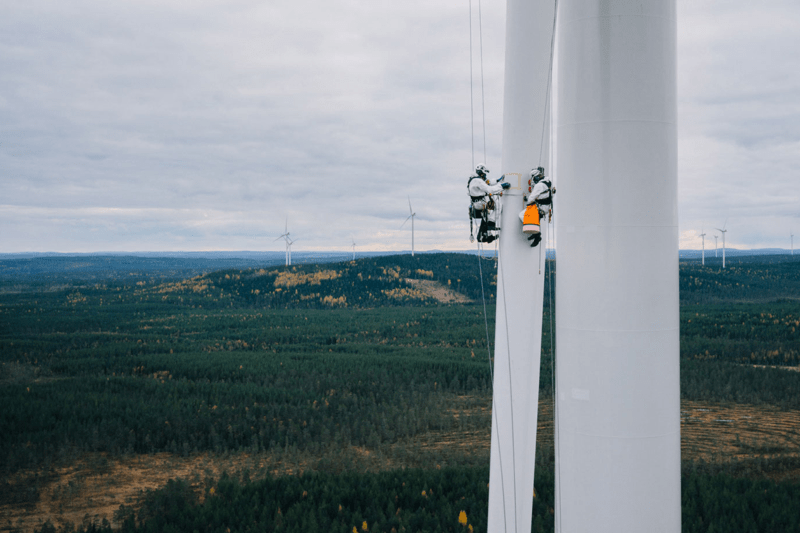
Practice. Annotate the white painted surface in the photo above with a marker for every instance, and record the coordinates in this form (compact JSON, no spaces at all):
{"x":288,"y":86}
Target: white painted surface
{"x":518,"y":332}
{"x":618,"y":415}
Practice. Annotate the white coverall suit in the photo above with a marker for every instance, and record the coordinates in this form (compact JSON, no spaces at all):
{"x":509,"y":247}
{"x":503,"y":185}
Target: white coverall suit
{"x":541,"y":198}
{"x":479,"y":192}
{"x":539,"y":193}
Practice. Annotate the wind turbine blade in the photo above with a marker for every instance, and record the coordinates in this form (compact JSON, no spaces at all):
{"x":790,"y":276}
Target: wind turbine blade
{"x":409,"y":206}
{"x":725,"y":224}
{"x":404,"y":222}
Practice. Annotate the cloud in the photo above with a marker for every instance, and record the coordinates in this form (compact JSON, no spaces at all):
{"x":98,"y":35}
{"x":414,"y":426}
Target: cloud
{"x":739,"y":116}
{"x":333,"y":114}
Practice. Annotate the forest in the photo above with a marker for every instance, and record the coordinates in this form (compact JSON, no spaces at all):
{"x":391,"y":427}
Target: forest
{"x":354,"y":378}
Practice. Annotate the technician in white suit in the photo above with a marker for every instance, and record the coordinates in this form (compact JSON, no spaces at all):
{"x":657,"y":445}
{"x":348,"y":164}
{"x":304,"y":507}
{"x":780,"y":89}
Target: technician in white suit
{"x":539,"y":204}
{"x":482,"y":190}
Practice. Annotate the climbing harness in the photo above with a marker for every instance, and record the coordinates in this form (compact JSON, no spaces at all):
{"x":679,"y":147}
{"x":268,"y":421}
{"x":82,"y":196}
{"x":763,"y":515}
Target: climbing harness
{"x":479,"y":208}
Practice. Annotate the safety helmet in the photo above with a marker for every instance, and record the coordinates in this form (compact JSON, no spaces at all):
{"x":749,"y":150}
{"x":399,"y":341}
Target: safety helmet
{"x":481,"y":170}
{"x":537,"y":174}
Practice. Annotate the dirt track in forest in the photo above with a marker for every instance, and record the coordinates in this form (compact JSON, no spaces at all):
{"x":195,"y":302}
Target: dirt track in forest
{"x":95,"y":486}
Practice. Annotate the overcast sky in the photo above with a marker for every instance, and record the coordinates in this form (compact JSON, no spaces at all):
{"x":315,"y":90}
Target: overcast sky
{"x":204,"y":125}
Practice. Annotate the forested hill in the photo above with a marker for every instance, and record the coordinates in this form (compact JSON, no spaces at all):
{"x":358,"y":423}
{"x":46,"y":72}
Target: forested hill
{"x":419,"y":280}
{"x":394,"y":280}
{"x":397,"y":280}
{"x":744,"y":280}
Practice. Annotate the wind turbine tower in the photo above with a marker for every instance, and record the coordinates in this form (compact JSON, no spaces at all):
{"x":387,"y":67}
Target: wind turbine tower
{"x":617,"y":428}
{"x":411,"y":215}
{"x":715,"y":244}
{"x":288,"y":242}
{"x":354,"y":248}
{"x":723,"y":231}
{"x":703,"y":236}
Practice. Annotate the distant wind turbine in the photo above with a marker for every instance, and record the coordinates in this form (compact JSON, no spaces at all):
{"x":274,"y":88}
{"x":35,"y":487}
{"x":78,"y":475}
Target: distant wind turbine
{"x":715,"y":245}
{"x":703,"y":236}
{"x":288,"y":241}
{"x":354,"y":248}
{"x":411,"y":216}
{"x":723,"y":231}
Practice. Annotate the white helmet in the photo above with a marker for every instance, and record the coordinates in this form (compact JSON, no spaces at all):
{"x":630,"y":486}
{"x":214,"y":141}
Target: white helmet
{"x":537,"y":174}
{"x":481,"y":170}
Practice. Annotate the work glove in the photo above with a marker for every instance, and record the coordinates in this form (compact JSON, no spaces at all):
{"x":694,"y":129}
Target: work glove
{"x":505,"y":185}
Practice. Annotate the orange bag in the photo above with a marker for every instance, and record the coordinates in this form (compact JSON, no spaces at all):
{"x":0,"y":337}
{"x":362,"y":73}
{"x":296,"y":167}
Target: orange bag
{"x":530,"y":220}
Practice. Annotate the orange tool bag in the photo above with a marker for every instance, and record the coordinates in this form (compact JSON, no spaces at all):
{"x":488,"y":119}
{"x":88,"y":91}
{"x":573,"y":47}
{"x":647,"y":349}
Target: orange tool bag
{"x":530,"y":220}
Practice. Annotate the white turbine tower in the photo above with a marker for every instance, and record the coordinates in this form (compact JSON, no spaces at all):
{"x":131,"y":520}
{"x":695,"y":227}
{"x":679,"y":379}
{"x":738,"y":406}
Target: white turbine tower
{"x":354,"y":248}
{"x":617,"y":420}
{"x":715,"y":244}
{"x":723,"y":231}
{"x":703,"y":236}
{"x":288,"y":241}
{"x":411,"y":216}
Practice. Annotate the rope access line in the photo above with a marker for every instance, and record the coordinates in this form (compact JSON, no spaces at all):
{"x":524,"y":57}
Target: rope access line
{"x":491,"y":377}
{"x":510,"y":388}
{"x":480,"y":267}
{"x":551,"y":238}
{"x":483,"y":93}
{"x":471,"y":98}
{"x":549,"y":80}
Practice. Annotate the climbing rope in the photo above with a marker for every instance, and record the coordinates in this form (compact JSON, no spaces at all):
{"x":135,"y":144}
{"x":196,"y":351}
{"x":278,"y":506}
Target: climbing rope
{"x":483,"y":99}
{"x":471,"y":83}
{"x":471,"y":97}
{"x":480,"y":252}
{"x":491,"y":377}
{"x":510,"y":388}
{"x":549,"y":81}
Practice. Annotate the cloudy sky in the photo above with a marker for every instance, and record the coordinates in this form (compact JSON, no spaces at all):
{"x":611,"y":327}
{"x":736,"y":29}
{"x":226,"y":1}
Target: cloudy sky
{"x":140,"y":125}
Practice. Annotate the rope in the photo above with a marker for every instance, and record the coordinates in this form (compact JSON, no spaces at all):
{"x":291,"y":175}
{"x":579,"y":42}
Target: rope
{"x":480,"y":254}
{"x":483,"y":100}
{"x":471,"y":98}
{"x":549,"y":79}
{"x":551,"y":239}
{"x":554,"y":379}
{"x":491,"y":377}
{"x":510,"y":388}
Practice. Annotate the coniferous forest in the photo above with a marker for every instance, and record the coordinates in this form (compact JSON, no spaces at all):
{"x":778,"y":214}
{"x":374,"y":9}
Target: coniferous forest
{"x":349,"y":397}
